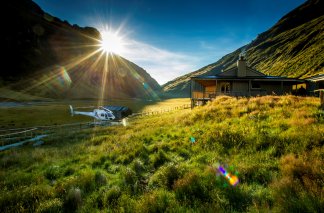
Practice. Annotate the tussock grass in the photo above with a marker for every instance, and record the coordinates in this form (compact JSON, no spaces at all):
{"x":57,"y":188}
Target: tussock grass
{"x":274,"y":144}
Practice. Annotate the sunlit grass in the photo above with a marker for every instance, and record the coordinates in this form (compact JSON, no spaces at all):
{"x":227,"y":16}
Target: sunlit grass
{"x":151,"y":165}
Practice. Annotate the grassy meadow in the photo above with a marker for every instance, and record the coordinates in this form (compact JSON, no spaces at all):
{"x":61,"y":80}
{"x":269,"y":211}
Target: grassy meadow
{"x":274,"y":145}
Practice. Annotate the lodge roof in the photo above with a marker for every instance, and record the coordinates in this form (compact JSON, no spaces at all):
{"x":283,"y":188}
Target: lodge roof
{"x":316,"y":78}
{"x":243,"y":72}
{"x":261,"y":78}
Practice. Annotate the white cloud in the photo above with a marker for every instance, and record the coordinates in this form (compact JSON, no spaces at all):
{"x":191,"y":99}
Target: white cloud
{"x":161,"y":64}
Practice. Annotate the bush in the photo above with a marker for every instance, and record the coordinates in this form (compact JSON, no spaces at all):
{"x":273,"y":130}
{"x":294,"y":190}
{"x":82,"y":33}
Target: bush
{"x":126,"y":204}
{"x":190,"y":187}
{"x":159,"y":159}
{"x":300,"y":188}
{"x":157,"y":201}
{"x":24,"y":198}
{"x":112,"y":195}
{"x":73,"y":200}
{"x":166,"y":176}
{"x":138,"y":166}
{"x":108,"y":197}
{"x":237,"y":199}
{"x":100,"y":178}
{"x":86,"y":181}
{"x":50,"y":206}
{"x":69,"y":171}
{"x":53,"y":172}
{"x":131,"y":180}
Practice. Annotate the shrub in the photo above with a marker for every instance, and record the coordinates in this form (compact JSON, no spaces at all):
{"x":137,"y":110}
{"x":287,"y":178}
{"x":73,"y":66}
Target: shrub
{"x":190,"y":187}
{"x":238,"y":199}
{"x":24,"y":198}
{"x":138,"y":166}
{"x":69,"y":171}
{"x":166,"y":176}
{"x":129,"y":177}
{"x":53,"y":172}
{"x":108,"y":196}
{"x":126,"y":204}
{"x":112,"y":195}
{"x":300,"y":188}
{"x":184,"y":153}
{"x":50,"y":206}
{"x":100,"y":178}
{"x":131,"y":180}
{"x":157,"y":201}
{"x":159,"y":159}
{"x":86,"y":181}
{"x":73,"y":200}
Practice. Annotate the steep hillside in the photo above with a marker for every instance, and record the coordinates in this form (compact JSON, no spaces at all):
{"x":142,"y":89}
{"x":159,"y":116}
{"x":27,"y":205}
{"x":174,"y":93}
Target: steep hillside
{"x":47,"y":57}
{"x":293,"y":47}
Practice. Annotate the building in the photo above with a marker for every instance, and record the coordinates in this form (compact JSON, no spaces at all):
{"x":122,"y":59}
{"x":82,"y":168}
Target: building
{"x":315,"y":83}
{"x":240,"y":80}
{"x":119,"y":111}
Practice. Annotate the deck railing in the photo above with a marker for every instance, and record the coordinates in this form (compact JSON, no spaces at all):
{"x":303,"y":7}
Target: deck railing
{"x":212,"y":95}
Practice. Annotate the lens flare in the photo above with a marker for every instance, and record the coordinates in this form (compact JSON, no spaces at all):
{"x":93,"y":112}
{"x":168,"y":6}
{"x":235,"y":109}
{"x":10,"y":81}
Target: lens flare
{"x":61,"y":81}
{"x":232,"y":179}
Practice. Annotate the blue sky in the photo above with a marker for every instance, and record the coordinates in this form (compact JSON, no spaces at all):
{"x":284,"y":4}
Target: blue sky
{"x":169,"y":38}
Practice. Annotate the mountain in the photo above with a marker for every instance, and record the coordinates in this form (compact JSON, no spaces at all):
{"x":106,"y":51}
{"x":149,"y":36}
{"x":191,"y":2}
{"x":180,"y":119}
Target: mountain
{"x":48,"y":57}
{"x":293,"y":47}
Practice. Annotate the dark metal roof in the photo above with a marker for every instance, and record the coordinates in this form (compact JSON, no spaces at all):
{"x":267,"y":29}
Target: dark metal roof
{"x":261,"y":78}
{"x":117,"y":108}
{"x":315,"y":78}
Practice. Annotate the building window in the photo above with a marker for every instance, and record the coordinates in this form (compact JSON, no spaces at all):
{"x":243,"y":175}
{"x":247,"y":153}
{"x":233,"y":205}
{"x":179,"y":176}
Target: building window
{"x":225,"y":88}
{"x":255,"y":85}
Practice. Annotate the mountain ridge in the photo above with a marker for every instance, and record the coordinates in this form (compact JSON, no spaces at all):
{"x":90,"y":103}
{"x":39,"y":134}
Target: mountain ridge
{"x":295,"y":42}
{"x":51,"y":58}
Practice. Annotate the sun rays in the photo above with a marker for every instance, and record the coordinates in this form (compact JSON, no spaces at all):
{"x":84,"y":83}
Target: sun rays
{"x":93,"y":65}
{"x":111,"y":43}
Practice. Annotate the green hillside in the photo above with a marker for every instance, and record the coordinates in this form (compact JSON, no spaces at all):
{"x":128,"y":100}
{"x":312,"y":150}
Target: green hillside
{"x":273,"y":144}
{"x":293,"y":47}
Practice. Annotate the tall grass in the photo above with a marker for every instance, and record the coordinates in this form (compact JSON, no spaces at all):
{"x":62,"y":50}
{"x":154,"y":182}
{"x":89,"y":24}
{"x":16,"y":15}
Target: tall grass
{"x":273,"y":144}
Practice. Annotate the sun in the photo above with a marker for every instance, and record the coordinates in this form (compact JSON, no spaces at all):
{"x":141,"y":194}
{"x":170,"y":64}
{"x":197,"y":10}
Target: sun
{"x":111,"y":43}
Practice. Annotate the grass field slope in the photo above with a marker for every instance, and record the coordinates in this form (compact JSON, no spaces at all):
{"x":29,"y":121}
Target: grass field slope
{"x":273,"y":144}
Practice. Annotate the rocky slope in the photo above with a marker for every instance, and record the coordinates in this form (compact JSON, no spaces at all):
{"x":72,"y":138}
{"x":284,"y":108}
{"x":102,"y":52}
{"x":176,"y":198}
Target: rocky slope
{"x":293,"y":47}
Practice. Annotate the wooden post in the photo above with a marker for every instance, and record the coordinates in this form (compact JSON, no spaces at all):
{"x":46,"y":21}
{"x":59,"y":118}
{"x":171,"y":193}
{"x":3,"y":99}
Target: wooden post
{"x":249,"y":87}
{"x":296,"y":89}
{"x":191,"y":88}
{"x":203,"y":92}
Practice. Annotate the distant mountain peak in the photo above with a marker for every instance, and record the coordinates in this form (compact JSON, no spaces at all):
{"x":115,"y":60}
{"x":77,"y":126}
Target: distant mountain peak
{"x":48,"y":57}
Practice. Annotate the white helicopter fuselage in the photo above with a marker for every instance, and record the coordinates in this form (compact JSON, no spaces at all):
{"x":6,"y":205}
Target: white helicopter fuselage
{"x":99,"y":114}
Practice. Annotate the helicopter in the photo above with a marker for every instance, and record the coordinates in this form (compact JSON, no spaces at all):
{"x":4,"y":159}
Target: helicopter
{"x":101,"y":114}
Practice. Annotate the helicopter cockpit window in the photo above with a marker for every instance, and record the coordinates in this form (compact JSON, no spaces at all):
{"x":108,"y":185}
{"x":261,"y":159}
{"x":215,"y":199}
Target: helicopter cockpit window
{"x":102,"y":115}
{"x":110,"y":115}
{"x":106,"y":116}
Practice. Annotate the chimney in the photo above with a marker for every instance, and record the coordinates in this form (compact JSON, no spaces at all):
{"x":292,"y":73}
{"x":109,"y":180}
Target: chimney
{"x":241,"y":66}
